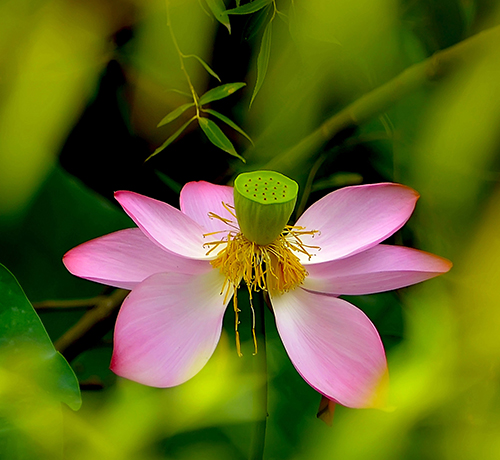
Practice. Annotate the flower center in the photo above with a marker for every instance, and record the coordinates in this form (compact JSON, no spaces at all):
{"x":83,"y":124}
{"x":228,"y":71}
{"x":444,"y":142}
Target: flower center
{"x":273,"y":267}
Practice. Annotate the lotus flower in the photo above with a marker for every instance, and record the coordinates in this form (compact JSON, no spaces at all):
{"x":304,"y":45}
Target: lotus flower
{"x":184,"y":266}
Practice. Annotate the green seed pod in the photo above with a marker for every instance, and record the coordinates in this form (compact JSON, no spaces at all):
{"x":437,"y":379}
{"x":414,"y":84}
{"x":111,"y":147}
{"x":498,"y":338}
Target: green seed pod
{"x":264,"y":201}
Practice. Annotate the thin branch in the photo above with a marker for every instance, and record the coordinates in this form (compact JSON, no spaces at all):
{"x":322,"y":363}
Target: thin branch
{"x":382,"y":98}
{"x":92,"y":326}
{"x":181,"y":60}
{"x":48,"y":305}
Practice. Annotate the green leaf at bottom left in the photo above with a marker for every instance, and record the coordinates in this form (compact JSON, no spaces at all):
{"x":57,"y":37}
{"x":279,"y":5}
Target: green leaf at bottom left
{"x":26,"y":347}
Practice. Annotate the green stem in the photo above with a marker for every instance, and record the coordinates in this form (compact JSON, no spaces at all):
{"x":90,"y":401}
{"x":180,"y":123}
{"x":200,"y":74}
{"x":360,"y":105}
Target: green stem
{"x":380,"y":99}
{"x":181,"y":59}
{"x":259,"y":430}
{"x":92,"y":326}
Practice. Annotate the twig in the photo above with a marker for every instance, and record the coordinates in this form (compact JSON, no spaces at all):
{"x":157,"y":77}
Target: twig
{"x":68,"y":304}
{"x":382,"y":98}
{"x":92,"y":326}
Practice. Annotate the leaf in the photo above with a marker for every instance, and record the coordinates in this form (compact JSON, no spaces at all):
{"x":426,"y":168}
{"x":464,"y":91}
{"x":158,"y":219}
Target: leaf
{"x":340,"y":179}
{"x":169,"y":182}
{"x":228,"y":121}
{"x":217,"y":137}
{"x":171,"y":139}
{"x":218,"y":9}
{"x":258,"y":22}
{"x":204,"y":64}
{"x":183,"y":93}
{"x":175,"y":114}
{"x":248,"y":8}
{"x":262,"y":60}
{"x":24,"y":340}
{"x":220,"y":92}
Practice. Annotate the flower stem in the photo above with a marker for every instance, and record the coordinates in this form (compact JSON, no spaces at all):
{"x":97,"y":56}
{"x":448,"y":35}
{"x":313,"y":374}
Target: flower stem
{"x":259,"y":430}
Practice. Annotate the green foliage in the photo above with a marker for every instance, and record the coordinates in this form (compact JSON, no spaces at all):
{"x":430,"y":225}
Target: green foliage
{"x":204,"y":64}
{"x":251,"y":7}
{"x":228,"y":121}
{"x":220,"y":92}
{"x":34,"y":378}
{"x":217,"y":137}
{"x":175,"y":114}
{"x":212,"y":131}
{"x":172,"y":138}
{"x":23,"y":337}
{"x":218,"y":9}
{"x":263,"y":60}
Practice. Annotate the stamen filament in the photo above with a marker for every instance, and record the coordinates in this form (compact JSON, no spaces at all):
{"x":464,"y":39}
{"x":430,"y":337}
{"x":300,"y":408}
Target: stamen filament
{"x":273,"y":267}
{"x":236,"y":323}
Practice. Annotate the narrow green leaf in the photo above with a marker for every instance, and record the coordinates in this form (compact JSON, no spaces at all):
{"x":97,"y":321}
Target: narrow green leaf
{"x":217,"y":137}
{"x":228,"y":121}
{"x":218,"y":9}
{"x":183,"y":93}
{"x":175,"y":114}
{"x":248,"y":8}
{"x":204,"y":64}
{"x":24,"y":340}
{"x":220,"y":92}
{"x":263,"y":60}
{"x":257,"y":22}
{"x":340,"y":179}
{"x":169,"y":182}
{"x":171,"y":139}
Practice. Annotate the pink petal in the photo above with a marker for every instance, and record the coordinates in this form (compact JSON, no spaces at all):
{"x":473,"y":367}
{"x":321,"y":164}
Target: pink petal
{"x":353,"y":219}
{"x":168,"y":328}
{"x":381,"y":268}
{"x":125,"y":258}
{"x":166,"y":225}
{"x":200,"y":198}
{"x":332,"y":344}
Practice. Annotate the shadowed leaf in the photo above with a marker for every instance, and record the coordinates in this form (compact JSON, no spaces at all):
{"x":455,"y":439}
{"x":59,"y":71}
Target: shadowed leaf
{"x":248,"y":8}
{"x":257,"y":22}
{"x":262,"y":60}
{"x":218,"y":9}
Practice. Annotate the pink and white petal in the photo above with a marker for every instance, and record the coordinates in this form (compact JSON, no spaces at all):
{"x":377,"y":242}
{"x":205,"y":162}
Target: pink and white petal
{"x":198,"y":199}
{"x":164,"y":224}
{"x":125,"y":258}
{"x":353,"y":219}
{"x":168,"y":328}
{"x":378,"y":269}
{"x":333,"y":346}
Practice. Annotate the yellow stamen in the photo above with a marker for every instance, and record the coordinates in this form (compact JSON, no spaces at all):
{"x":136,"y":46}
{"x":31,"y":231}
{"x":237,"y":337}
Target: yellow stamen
{"x":273,"y":267}
{"x":236,"y":323}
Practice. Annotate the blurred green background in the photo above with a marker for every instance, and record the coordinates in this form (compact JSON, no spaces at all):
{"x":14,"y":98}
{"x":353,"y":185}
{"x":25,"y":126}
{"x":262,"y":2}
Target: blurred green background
{"x":356,"y":91}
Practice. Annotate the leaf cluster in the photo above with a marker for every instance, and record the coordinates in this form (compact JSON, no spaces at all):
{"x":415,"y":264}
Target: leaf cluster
{"x":209,"y":127}
{"x":267,"y":11}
